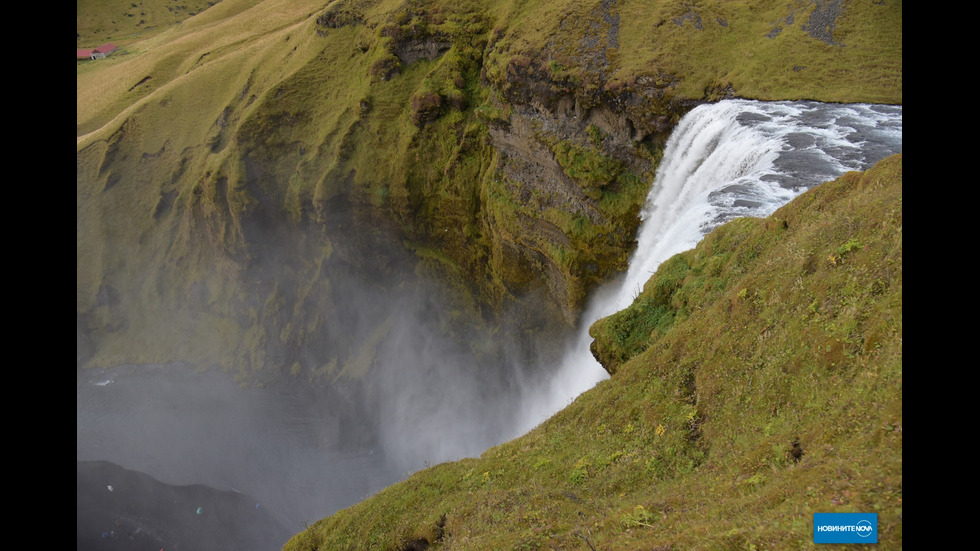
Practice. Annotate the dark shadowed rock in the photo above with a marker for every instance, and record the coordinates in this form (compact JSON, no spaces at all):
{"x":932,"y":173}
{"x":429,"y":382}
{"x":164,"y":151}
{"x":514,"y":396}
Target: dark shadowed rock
{"x":118,"y":508}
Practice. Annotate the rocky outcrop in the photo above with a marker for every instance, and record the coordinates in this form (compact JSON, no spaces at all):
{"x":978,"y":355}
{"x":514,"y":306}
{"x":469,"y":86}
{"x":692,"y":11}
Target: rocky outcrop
{"x":517,"y":191}
{"x":569,"y":149}
{"x":427,"y":48}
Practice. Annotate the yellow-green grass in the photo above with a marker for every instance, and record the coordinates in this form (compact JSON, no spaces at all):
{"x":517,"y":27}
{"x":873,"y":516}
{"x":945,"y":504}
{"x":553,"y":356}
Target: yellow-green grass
{"x":166,"y":129}
{"x":243,"y":81}
{"x":866,"y":66}
{"x":124,"y":21}
{"x":775,"y":394}
{"x":786,"y":333}
{"x":736,"y":47}
{"x":195,"y":68}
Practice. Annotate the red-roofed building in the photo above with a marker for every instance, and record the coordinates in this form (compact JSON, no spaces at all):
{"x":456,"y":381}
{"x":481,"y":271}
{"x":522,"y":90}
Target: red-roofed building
{"x":96,"y":53}
{"x":104,"y":50}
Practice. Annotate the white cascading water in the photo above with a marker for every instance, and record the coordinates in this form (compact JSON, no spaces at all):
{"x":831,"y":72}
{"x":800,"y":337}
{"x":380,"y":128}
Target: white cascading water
{"x":726,"y":160}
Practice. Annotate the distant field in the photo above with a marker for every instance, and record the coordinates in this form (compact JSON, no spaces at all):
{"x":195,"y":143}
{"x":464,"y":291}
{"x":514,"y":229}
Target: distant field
{"x":123,"y":21}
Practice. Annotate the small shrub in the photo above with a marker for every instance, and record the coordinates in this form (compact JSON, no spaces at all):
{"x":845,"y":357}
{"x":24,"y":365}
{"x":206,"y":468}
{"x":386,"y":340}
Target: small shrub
{"x":851,"y":245}
{"x":595,"y":135}
{"x":639,"y":516}
{"x":580,"y":471}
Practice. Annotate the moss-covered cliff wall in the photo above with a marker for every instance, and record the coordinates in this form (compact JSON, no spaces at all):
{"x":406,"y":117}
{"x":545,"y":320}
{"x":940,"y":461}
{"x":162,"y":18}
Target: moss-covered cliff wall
{"x":770,"y":390}
{"x":243,"y":173}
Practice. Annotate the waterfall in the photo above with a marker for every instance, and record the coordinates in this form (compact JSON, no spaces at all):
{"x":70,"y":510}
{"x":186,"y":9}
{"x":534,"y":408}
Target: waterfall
{"x":725,"y":160}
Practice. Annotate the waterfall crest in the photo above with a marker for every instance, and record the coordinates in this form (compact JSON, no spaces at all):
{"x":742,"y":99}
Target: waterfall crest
{"x":725,"y":160}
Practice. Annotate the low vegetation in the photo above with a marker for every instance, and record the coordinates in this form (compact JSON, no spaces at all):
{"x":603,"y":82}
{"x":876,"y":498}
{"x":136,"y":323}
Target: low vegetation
{"x":770,"y":390}
{"x":503,"y":149}
{"x":126,"y":21}
{"x":508,"y":144}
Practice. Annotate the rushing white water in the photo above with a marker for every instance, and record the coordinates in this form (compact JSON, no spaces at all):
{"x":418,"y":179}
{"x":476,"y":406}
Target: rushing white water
{"x":726,"y":160}
{"x":302,"y":457}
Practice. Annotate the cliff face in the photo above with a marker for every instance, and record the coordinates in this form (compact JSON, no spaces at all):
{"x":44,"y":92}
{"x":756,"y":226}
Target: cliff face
{"x":245,"y":177}
{"x":756,"y":380}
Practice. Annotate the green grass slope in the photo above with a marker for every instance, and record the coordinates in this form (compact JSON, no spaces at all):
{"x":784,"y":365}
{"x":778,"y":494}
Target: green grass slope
{"x":156,"y":215}
{"x":827,"y":50}
{"x":757,"y":379}
{"x":125,"y":21}
{"x":506,"y":145}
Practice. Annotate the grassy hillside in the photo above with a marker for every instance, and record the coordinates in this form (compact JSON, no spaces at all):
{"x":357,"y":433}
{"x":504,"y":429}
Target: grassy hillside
{"x":830,"y":50}
{"x":851,"y":51}
{"x":127,"y":21}
{"x":506,"y":146}
{"x":757,"y":379}
{"x":240,"y":162}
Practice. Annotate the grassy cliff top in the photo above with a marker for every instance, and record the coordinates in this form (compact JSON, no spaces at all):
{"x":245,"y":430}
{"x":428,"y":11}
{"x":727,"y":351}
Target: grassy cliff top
{"x":825,"y":51}
{"x":518,"y":140}
{"x":757,"y":380}
{"x":126,"y":21}
{"x":822,"y":50}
